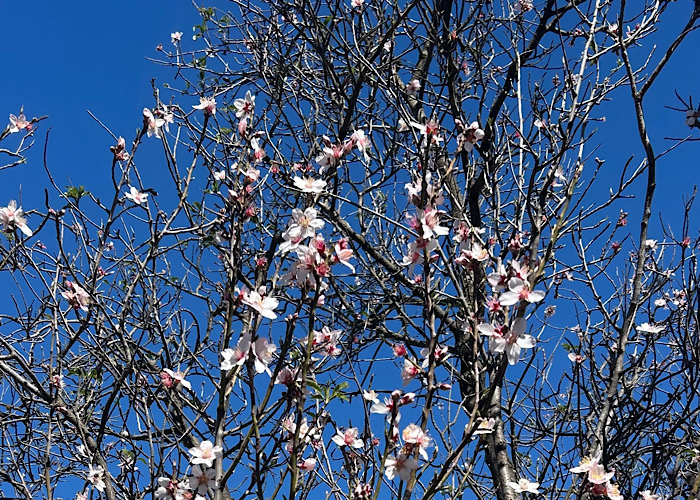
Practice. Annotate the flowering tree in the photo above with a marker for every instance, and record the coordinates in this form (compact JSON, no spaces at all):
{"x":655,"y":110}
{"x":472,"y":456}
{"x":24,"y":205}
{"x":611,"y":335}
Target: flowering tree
{"x":347,"y":273}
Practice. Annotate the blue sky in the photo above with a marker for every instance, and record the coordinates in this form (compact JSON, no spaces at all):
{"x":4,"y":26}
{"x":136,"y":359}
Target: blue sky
{"x":63,"y":62}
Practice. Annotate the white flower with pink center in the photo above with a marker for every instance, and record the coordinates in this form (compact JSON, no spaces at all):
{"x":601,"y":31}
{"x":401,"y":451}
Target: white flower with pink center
{"x":348,"y":438}
{"x":207,"y":104}
{"x":205,"y":453}
{"x":508,"y":340}
{"x":401,"y":466}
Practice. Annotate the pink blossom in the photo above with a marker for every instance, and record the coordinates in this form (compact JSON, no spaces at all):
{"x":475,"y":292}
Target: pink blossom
{"x":263,"y":305}
{"x":245,"y":107}
{"x":382,"y":408}
{"x":76,"y":296}
{"x":358,"y":137}
{"x":136,"y":196}
{"x":576,"y":358}
{"x":290,"y":243}
{"x":57,"y":381}
{"x":12,"y":217}
{"x":308,"y":464}
{"x":169,"y":489}
{"x":303,"y":224}
{"x":205,"y":453}
{"x":308,"y":185}
{"x":493,"y":304}
{"x":167,"y":115}
{"x":178,"y":378}
{"x":286,"y":377}
{"x":259,"y":153}
{"x":401,"y":466}
{"x":464,"y":232}
{"x":175,"y":37}
{"x":413,"y":87}
{"x":370,"y":396}
{"x":519,"y":270}
{"x":520,"y":290}
{"x":414,"y":435}
{"x":522,"y":6}
{"x":119,"y":150}
{"x":327,"y":339}
{"x":435,"y":196}
{"x":524,"y":486}
{"x":153,"y":124}
{"x":613,"y":492}
{"x":201,"y":480}
{"x":430,"y":223}
{"x":262,"y":354}
{"x":441,"y":353}
{"x":95,"y":477}
{"x":429,"y":131}
{"x":243,"y":128}
{"x":238,"y":355}
{"x":416,"y":251}
{"x":18,"y":123}
{"x":471,"y":136}
{"x":485,"y":426}
{"x":252,"y":174}
{"x":409,"y":372}
{"x":399,"y":350}
{"x":598,"y":475}
{"x":207,"y":104}
{"x":498,"y":279}
{"x":596,"y":472}
{"x":348,"y":438}
{"x":650,"y":328}
{"x":343,"y":254}
{"x":363,"y":491}
{"x":508,"y":340}
{"x":331,"y":155}
{"x":472,"y":256}
{"x":648,"y":495}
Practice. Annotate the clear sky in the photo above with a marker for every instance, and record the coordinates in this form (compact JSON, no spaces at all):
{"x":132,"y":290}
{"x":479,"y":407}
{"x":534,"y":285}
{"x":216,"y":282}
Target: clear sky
{"x":63,"y":61}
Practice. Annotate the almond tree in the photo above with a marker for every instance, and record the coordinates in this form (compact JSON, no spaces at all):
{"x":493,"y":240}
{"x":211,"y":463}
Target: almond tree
{"x":372,"y":260}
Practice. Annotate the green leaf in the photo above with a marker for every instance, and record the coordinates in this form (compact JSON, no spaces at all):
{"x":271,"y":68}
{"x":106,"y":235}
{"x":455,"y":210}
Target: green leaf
{"x":207,"y":13}
{"x":314,"y":386}
{"x":75,"y":193}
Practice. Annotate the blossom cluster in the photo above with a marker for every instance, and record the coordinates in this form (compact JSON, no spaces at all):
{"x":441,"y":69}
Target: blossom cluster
{"x":332,"y":153}
{"x":313,"y":260}
{"x":203,"y":476}
{"x":513,"y":284}
{"x":403,"y":463}
{"x":156,"y":120}
{"x":260,"y":351}
{"x":598,"y":479}
{"x":425,"y":223}
{"x":305,"y":435}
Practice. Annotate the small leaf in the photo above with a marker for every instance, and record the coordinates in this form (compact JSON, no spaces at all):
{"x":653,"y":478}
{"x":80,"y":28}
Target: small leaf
{"x":76,"y":192}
